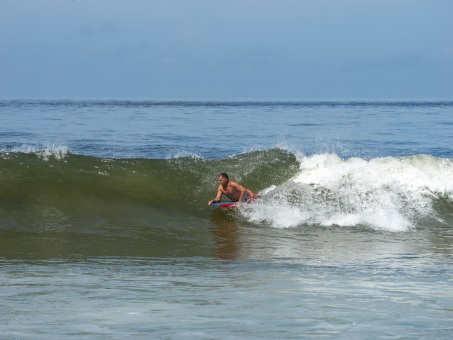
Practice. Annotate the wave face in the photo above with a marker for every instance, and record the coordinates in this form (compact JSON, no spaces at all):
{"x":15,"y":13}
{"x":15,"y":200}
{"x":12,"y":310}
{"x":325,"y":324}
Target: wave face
{"x":53,"y":189}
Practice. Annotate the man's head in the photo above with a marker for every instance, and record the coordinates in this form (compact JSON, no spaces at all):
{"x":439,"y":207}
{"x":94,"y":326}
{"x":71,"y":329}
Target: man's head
{"x":223,"y":178}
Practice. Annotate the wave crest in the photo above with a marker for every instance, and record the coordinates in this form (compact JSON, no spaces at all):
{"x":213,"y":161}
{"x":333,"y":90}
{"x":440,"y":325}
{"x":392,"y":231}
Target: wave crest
{"x":45,"y":151}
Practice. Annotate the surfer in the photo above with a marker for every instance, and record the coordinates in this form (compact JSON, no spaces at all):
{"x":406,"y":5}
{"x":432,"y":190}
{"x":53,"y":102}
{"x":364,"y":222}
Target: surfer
{"x":233,"y":190}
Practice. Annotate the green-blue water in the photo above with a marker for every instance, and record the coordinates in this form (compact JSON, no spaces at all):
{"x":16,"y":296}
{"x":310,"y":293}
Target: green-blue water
{"x":105,"y":230}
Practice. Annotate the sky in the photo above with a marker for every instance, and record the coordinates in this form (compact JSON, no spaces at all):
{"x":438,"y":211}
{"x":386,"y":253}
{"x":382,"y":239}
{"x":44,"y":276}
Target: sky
{"x":214,"y":49}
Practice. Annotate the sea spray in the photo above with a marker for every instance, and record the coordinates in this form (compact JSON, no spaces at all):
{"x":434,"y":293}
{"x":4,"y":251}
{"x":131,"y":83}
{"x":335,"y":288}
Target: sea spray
{"x":44,"y":151}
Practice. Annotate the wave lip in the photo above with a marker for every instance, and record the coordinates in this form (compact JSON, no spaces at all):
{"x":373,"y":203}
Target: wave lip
{"x":387,"y":193}
{"x":45,"y":151}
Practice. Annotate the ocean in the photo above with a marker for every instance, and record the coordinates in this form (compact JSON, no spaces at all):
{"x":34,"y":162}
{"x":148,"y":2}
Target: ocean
{"x":105,"y":231}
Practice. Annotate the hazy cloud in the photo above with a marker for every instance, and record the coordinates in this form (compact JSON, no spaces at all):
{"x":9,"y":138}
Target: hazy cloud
{"x":89,"y":30}
{"x":391,"y":63}
{"x":257,"y":55}
{"x":109,"y":27}
{"x":447,"y":54}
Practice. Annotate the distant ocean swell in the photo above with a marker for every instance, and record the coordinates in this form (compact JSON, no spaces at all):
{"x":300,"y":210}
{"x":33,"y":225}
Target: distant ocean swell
{"x":54,"y":189}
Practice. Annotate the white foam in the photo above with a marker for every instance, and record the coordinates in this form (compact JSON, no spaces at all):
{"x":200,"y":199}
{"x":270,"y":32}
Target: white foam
{"x":45,"y":151}
{"x":183,"y":154}
{"x":384,"y":193}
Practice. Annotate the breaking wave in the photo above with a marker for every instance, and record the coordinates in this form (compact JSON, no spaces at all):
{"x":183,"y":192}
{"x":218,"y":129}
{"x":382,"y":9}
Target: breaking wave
{"x":51,"y":186}
{"x":391,"y":193}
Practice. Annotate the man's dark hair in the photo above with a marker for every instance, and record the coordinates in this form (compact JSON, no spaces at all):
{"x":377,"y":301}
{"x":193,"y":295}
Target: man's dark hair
{"x":224,"y":175}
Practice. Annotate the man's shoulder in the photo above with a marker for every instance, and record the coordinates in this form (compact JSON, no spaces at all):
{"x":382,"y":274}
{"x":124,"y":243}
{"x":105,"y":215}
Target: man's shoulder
{"x":235,"y":184}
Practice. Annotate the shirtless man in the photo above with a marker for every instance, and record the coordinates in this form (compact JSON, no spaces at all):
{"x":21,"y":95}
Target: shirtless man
{"x":233,"y":190}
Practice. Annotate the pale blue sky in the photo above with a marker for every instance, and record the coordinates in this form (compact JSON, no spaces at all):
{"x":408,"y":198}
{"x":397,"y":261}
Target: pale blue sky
{"x":226,"y":49}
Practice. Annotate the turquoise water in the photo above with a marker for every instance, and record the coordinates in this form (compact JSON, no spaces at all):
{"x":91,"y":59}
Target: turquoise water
{"x":105,"y":230}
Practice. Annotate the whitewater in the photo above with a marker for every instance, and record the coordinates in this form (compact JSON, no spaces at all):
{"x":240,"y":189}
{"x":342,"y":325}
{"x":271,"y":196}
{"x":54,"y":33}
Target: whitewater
{"x":385,"y":193}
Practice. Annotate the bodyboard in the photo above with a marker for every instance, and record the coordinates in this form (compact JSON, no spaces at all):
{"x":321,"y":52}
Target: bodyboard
{"x":225,"y":204}
{"x":230,"y":204}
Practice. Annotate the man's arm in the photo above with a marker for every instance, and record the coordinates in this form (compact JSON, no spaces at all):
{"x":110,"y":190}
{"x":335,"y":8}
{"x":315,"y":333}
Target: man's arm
{"x":217,"y":198}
